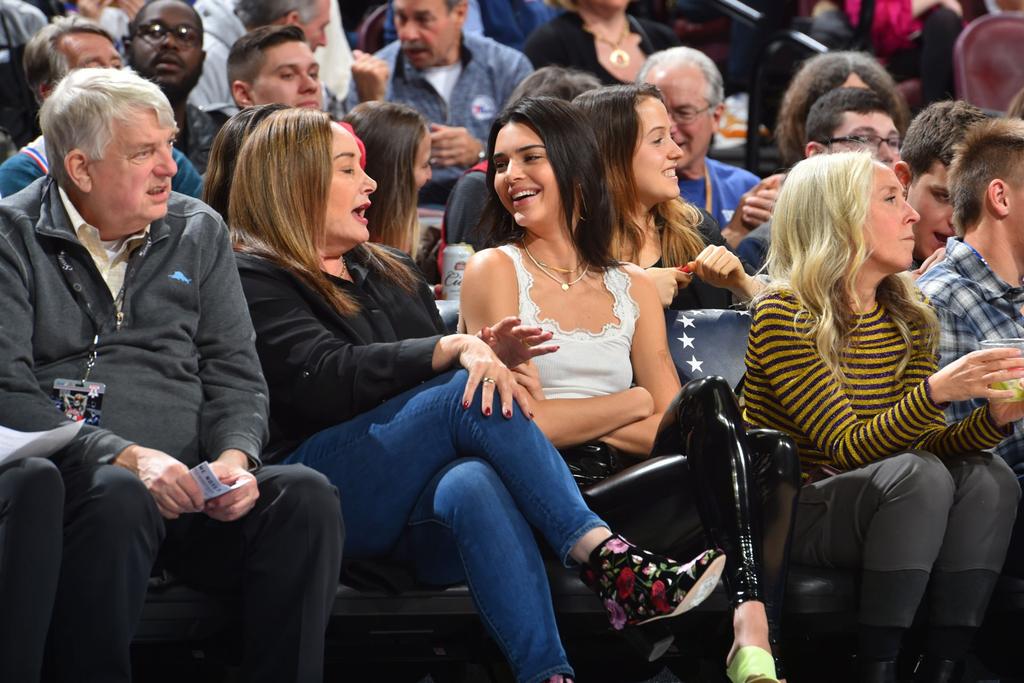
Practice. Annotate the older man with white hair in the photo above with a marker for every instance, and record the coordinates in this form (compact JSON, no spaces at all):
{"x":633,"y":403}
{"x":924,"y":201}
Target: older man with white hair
{"x":694,"y":95}
{"x":122,"y":309}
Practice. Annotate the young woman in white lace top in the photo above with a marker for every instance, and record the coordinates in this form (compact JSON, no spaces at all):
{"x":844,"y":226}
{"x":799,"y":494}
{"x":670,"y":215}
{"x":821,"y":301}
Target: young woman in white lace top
{"x":552,"y":215}
{"x":612,"y":377}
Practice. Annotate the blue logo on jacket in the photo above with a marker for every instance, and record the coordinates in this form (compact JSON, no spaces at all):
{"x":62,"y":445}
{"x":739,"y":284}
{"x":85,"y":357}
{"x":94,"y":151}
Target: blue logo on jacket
{"x":180,"y":277}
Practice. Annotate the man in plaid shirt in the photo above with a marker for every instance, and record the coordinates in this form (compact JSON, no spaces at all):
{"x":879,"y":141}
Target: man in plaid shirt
{"x":976,"y":290}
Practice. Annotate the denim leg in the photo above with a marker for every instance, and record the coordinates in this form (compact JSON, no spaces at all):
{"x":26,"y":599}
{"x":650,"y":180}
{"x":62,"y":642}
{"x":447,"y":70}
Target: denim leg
{"x":466,"y":528}
{"x":383,"y":459}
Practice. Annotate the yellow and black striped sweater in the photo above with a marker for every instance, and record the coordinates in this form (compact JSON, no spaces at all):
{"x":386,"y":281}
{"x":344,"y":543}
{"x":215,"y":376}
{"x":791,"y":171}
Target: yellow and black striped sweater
{"x":870,"y":416}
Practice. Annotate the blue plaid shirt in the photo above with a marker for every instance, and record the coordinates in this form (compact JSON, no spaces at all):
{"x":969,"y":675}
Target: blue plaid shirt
{"x":973,"y":304}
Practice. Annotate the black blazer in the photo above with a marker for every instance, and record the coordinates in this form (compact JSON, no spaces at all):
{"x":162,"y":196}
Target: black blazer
{"x":323,"y":368}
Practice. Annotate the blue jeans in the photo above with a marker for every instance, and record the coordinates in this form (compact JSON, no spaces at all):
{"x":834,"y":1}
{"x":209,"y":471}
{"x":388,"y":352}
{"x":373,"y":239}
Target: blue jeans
{"x":461,"y":491}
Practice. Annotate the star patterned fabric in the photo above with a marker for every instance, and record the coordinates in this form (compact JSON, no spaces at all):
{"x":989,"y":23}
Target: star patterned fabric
{"x":708,"y":342}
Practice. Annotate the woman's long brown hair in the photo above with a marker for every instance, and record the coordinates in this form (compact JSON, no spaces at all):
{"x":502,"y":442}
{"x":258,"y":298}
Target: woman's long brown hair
{"x":278,"y":204}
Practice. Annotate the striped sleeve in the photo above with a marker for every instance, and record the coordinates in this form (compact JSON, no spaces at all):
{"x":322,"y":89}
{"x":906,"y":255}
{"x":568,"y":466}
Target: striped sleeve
{"x":788,"y":377}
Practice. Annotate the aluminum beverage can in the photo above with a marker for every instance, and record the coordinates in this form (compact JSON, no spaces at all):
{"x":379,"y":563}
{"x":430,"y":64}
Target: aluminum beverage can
{"x":453,"y":263}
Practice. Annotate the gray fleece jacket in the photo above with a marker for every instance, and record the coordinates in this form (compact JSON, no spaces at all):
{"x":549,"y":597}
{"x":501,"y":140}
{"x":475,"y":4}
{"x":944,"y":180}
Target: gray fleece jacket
{"x":181,"y":373}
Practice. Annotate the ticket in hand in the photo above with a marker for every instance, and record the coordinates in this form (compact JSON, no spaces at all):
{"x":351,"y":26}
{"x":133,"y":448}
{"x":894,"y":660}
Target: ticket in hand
{"x":209,"y":484}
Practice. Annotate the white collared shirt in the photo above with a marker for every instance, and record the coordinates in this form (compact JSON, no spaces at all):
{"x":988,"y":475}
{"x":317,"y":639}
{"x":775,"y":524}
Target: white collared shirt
{"x":110,"y":256}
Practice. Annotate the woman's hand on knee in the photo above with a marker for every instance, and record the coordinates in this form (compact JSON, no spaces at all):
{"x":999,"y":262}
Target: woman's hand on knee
{"x":528,"y":377}
{"x":972,"y":375}
{"x":488,"y":372}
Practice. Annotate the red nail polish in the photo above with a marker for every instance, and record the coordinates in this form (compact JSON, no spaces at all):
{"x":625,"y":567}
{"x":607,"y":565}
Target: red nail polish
{"x":531,"y":415}
{"x":465,"y":404}
{"x":487,"y":411}
{"x":508,"y":412}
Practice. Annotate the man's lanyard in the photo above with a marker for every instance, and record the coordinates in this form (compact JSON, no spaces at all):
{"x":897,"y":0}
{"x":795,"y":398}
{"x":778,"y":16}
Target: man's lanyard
{"x":71,"y":275}
{"x":707,"y":188}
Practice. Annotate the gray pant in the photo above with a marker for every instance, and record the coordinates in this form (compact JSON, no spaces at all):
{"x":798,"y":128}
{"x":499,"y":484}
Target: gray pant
{"x":908,"y":516}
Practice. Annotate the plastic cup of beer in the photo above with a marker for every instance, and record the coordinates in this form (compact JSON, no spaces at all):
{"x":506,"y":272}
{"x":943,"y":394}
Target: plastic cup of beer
{"x":1014,"y":385}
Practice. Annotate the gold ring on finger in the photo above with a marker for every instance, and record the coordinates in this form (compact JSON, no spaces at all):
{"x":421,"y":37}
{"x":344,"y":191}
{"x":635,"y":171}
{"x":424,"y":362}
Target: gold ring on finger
{"x":488,"y":380}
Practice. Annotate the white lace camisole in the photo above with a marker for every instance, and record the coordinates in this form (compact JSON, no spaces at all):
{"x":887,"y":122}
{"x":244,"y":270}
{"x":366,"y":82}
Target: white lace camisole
{"x":587,"y":363}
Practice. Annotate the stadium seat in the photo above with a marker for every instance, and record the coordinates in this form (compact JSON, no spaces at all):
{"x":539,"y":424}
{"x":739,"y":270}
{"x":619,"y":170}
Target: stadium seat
{"x":370,"y":32}
{"x":988,"y":60}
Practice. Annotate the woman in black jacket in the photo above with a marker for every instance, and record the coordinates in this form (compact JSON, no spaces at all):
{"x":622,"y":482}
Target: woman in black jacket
{"x":363,"y":389}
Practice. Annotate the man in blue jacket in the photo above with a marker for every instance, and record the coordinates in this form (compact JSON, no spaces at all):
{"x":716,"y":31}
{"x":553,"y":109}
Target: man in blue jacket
{"x":458,"y":81}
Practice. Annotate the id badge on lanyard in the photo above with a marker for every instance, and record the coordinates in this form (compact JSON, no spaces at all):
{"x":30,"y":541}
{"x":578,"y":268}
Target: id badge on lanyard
{"x":79,"y":399}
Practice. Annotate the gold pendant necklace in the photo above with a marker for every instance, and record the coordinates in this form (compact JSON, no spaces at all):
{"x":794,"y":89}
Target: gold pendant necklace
{"x":564,"y":285}
{"x":618,"y":57}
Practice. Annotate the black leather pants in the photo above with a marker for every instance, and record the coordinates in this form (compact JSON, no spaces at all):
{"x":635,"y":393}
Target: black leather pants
{"x":745,"y":486}
{"x":720,"y":486}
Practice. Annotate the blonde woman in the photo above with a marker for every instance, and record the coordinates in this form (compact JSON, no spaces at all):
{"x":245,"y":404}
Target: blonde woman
{"x":680,"y":248}
{"x":842,"y":357}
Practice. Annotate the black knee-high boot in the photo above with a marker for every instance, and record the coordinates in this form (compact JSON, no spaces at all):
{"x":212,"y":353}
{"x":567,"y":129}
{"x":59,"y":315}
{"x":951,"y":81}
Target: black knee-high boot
{"x":777,"y":471}
{"x":745,"y":488}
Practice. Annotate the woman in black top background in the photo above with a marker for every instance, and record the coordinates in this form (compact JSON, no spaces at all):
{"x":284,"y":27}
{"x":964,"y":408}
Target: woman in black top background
{"x":598,"y":36}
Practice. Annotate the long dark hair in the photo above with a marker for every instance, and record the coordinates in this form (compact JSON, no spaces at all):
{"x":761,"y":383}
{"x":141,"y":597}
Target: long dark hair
{"x":221,"y":167}
{"x":392,"y":133}
{"x":572,"y":152}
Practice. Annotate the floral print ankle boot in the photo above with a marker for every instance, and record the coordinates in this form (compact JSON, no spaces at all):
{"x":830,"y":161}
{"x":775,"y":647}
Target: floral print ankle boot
{"x":638,"y":586}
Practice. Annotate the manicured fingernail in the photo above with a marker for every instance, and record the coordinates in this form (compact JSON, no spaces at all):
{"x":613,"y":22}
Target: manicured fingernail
{"x":531,"y":414}
{"x":465,"y":404}
{"x":507,"y":412}
{"x":686,"y":269}
{"x":487,"y":411}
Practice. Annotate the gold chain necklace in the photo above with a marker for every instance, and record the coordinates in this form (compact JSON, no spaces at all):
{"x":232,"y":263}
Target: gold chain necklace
{"x":564,"y":285}
{"x":541,"y":264}
{"x":618,"y":57}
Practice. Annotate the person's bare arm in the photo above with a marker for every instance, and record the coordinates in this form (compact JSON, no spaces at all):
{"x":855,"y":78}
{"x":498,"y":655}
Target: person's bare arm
{"x":490,"y":293}
{"x":653,"y":369}
{"x":919,"y":7}
{"x":572,"y":421}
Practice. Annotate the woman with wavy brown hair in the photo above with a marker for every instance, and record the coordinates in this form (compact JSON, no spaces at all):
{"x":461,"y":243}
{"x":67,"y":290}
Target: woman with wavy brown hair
{"x":404,"y":419}
{"x":822,"y":73}
{"x":680,"y":247}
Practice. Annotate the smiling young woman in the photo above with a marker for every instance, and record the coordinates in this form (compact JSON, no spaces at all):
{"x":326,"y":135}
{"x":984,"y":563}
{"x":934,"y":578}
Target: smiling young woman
{"x":654,"y":227}
{"x":612,"y":379}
